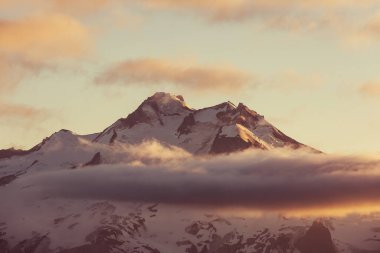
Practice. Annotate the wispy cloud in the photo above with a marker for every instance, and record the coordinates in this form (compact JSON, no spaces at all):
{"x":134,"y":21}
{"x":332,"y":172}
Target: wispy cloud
{"x":371,"y":89}
{"x":31,"y":45}
{"x":243,"y":9}
{"x":155,"y":72}
{"x":44,"y":37}
{"x":21,"y":112}
{"x":353,"y":22}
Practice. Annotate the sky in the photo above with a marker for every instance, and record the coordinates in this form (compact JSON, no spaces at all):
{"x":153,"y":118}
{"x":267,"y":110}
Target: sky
{"x":311,"y":68}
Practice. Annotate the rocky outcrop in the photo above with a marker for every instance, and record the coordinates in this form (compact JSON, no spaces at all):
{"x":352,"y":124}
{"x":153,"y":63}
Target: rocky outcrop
{"x":95,"y":160}
{"x":223,"y":144}
{"x":317,"y":240}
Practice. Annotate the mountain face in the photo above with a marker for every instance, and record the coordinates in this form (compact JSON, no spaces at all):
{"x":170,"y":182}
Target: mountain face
{"x":222,"y":128}
{"x":37,"y":217}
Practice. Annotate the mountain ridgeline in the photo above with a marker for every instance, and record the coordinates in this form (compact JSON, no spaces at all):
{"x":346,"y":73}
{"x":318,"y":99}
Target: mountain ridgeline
{"x":166,"y":118}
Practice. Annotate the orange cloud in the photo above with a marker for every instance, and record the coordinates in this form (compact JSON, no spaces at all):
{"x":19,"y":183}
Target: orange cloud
{"x":354,"y":22}
{"x":24,"y":112}
{"x":344,"y":17}
{"x":44,"y":37}
{"x":33,"y":44}
{"x":241,"y":9}
{"x":371,"y":88}
{"x":154,"y":72}
{"x":15,"y":69}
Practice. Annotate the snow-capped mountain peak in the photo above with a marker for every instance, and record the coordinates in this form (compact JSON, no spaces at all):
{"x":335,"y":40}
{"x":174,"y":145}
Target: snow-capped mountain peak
{"x":168,"y":119}
{"x":166,"y":103}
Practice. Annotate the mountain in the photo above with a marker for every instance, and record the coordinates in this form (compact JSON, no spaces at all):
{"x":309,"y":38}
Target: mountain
{"x":163,"y":118}
{"x":166,"y":118}
{"x":47,"y":204}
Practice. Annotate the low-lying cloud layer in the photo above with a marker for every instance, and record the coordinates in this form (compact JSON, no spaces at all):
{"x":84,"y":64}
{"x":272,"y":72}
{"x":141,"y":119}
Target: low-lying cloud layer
{"x":253,"y":179}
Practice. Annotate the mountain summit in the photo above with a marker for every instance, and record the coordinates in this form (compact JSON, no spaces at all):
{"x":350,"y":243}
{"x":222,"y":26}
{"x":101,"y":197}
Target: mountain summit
{"x":222,"y":128}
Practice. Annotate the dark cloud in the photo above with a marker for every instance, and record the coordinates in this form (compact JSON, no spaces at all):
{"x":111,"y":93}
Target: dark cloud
{"x":247,"y":180}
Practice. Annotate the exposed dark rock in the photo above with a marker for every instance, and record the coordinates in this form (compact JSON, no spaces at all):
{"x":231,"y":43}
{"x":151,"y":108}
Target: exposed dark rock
{"x":150,"y":249}
{"x":32,"y":164}
{"x":113,"y":137}
{"x":193,"y":229}
{"x":228,"y":145}
{"x":10,"y":178}
{"x":187,"y":123}
{"x":36,"y":244}
{"x":245,"y":111}
{"x":102,"y":240}
{"x":95,"y":160}
{"x":7,"y":179}
{"x":316,"y":240}
{"x":153,"y":208}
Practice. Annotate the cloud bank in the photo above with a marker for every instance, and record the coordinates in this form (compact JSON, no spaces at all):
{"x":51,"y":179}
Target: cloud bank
{"x":252,"y":179}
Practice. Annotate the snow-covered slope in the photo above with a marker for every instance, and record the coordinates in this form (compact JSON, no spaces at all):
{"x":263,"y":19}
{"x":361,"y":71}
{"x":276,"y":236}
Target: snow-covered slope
{"x":217,"y":129}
